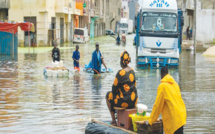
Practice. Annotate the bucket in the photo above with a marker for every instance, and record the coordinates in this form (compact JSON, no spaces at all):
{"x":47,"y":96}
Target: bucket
{"x":141,"y":109}
{"x":135,"y":118}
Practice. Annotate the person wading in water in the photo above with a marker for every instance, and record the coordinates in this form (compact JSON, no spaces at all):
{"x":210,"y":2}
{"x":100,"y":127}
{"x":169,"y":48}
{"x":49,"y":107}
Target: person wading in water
{"x":55,"y":53}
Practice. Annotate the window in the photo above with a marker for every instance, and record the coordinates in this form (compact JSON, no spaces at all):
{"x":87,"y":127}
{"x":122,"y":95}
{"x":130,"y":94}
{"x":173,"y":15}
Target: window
{"x":79,"y":32}
{"x":161,"y":22}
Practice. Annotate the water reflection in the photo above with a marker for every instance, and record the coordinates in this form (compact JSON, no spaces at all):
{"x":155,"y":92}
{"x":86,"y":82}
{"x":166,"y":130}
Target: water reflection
{"x":96,"y":91}
{"x":9,"y":94}
{"x":32,"y":103}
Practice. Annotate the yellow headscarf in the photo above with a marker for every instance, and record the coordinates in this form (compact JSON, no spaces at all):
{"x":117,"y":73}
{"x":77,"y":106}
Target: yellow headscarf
{"x":125,"y":58}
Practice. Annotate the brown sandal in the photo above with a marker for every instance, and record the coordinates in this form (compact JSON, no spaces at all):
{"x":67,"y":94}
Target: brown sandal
{"x":113,"y":123}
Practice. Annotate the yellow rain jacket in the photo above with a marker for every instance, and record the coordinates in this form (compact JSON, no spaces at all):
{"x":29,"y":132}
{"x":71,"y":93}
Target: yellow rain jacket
{"x":170,"y":104}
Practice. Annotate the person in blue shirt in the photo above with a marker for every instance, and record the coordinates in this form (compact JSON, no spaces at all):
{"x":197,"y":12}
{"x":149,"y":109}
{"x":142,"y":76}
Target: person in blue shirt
{"x":118,"y":39}
{"x":97,"y":60}
{"x":76,"y":57}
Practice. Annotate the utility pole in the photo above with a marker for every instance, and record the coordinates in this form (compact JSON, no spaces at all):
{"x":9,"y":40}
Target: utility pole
{"x":195,"y":13}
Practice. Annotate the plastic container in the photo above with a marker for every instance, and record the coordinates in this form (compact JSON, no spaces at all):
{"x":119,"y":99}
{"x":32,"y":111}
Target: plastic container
{"x":60,"y":73}
{"x":54,"y":73}
{"x":57,"y":64}
{"x":65,"y":73}
{"x":53,"y":64}
{"x":141,"y":109}
{"x":49,"y":73}
{"x":135,"y":117}
{"x":61,"y":63}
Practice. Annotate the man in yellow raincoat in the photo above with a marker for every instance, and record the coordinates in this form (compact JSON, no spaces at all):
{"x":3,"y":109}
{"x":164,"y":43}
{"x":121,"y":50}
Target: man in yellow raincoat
{"x":170,"y":104}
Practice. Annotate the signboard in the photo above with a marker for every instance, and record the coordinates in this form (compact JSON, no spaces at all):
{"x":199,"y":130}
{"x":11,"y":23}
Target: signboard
{"x":84,"y":5}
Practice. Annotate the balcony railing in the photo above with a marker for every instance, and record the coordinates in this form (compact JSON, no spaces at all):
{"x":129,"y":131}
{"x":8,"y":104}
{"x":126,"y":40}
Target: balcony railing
{"x":97,"y":11}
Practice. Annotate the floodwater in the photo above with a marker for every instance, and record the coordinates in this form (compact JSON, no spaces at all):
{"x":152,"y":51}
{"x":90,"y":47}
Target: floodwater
{"x":31,"y":103}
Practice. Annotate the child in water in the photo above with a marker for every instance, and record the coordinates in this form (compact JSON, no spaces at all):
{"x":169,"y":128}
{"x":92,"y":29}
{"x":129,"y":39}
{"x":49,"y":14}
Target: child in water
{"x":76,"y":57}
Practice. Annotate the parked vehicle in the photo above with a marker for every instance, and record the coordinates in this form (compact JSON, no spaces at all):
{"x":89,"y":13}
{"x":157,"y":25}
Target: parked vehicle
{"x":81,"y":35}
{"x":130,"y":26}
{"x":109,"y":32}
{"x":123,"y":26}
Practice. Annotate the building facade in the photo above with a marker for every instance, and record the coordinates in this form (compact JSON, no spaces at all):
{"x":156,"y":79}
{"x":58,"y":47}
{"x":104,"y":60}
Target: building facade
{"x":125,"y":9}
{"x":4,"y":6}
{"x":133,"y":9}
{"x":113,"y":14}
{"x":205,"y":20}
{"x":54,"y":20}
{"x":104,"y":14}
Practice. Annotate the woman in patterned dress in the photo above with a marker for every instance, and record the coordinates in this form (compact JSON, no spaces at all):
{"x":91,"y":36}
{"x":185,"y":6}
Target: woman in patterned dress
{"x":124,"y":92}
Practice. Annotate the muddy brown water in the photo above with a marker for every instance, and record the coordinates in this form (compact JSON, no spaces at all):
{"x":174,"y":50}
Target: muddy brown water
{"x":31,"y":103}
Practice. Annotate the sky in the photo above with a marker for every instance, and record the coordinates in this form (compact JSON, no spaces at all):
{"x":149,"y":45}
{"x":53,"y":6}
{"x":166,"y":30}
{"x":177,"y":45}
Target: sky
{"x":140,"y":1}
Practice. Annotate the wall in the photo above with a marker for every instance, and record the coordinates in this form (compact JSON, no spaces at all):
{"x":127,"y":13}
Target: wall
{"x":205,"y":29}
{"x":58,"y":16}
{"x":114,"y":7}
{"x":8,"y":43}
{"x":30,"y":8}
{"x":132,"y":9}
{"x":43,"y":10}
{"x":125,"y":9}
{"x":4,"y":4}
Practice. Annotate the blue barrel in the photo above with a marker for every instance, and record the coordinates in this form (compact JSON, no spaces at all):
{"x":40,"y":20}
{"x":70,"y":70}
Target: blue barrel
{"x":6,"y":43}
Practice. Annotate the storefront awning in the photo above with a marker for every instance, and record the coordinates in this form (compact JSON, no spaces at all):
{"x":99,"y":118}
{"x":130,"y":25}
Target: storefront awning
{"x":13,"y":27}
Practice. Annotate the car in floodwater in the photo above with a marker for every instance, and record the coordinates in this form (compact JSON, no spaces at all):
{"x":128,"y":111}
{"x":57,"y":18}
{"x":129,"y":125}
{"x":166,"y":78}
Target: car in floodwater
{"x":109,"y":32}
{"x":81,"y":35}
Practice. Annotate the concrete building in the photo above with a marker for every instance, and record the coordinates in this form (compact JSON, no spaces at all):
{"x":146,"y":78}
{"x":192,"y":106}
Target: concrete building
{"x":125,"y":9}
{"x":113,"y":14}
{"x":54,"y":20}
{"x":99,"y":25}
{"x":4,"y":6}
{"x":84,"y":13}
{"x":205,"y":20}
{"x":104,"y":15}
{"x":133,"y":9}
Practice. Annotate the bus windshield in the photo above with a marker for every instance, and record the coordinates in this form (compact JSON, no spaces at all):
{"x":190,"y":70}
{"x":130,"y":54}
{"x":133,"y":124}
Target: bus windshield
{"x":123,"y":25}
{"x":161,"y":22}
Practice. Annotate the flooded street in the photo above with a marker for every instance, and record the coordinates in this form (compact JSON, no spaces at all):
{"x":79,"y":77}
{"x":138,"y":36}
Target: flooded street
{"x":31,"y":103}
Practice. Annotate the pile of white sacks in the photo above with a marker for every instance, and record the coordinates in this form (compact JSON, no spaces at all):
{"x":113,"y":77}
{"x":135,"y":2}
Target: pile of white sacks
{"x":56,"y":70}
{"x":210,"y":51}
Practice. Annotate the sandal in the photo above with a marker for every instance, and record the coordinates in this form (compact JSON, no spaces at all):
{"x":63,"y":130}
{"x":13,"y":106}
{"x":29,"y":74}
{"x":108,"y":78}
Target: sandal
{"x":113,"y":123}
